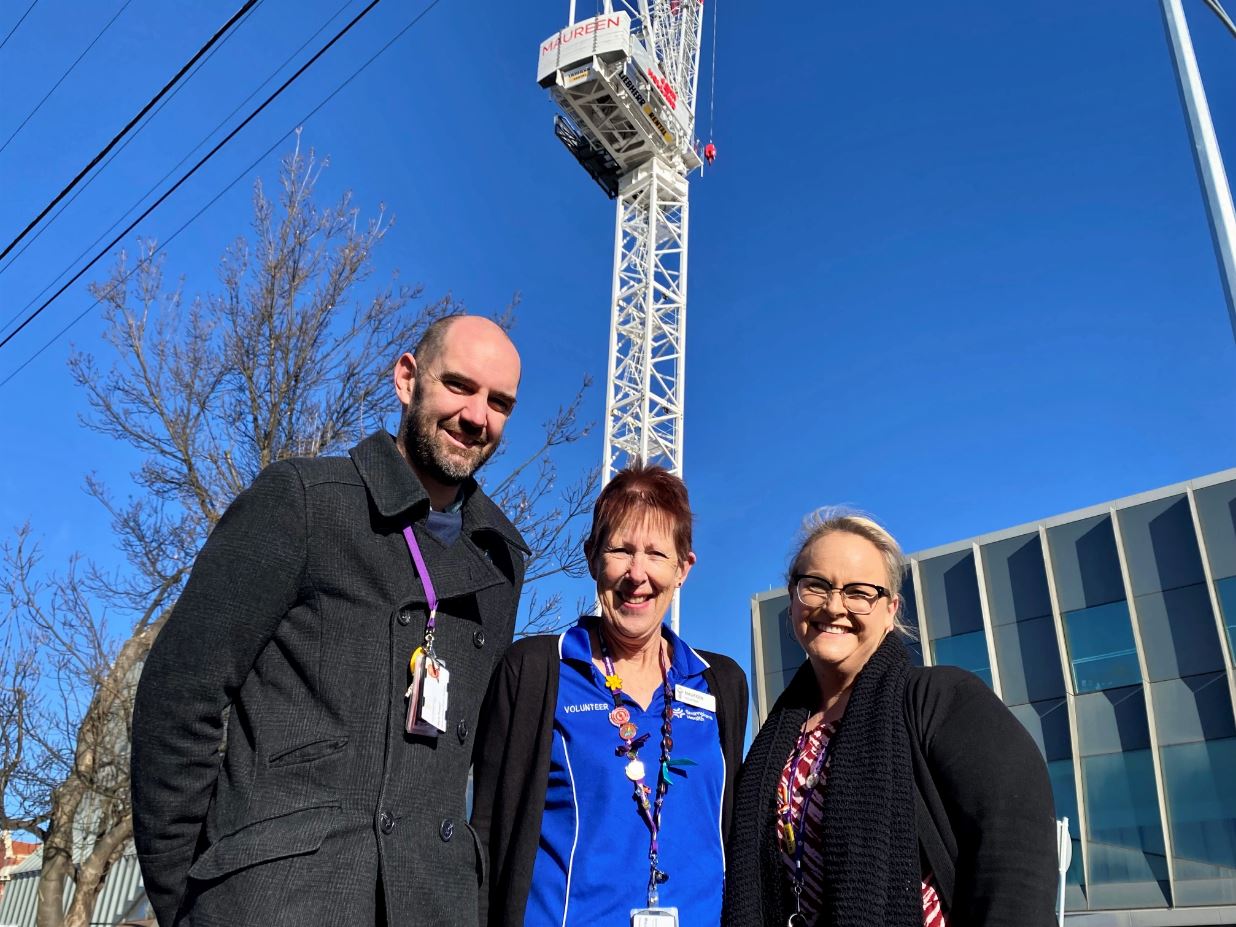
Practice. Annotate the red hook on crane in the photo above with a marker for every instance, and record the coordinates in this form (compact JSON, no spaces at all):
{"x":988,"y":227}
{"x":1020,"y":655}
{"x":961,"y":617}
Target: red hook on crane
{"x":710,"y":152}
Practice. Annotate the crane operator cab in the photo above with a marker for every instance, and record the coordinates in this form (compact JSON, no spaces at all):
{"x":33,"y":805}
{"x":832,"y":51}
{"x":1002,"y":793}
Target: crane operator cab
{"x":618,"y":108}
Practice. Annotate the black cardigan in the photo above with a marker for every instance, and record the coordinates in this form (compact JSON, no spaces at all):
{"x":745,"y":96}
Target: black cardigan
{"x":511,"y":764}
{"x":984,"y":814}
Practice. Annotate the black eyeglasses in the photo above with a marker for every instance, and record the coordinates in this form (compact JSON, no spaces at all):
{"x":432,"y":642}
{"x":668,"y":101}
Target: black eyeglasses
{"x":859,"y":598}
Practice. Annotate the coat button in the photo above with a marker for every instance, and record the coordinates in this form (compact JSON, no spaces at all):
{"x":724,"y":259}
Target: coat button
{"x":386,"y":822}
{"x":461,"y":730}
{"x":478,"y":638}
{"x":405,"y":616}
{"x":447,"y":830}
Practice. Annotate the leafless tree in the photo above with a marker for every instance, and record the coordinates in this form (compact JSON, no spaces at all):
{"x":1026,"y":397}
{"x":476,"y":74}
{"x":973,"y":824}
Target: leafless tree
{"x":286,"y":359}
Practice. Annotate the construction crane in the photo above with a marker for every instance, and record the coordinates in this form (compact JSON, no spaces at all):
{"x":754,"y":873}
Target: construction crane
{"x":626,"y":83}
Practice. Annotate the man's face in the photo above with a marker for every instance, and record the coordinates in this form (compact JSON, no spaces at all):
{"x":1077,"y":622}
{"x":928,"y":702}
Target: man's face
{"x":460,"y":401}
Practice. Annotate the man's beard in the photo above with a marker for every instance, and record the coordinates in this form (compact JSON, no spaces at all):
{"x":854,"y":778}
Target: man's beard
{"x":424,"y":446}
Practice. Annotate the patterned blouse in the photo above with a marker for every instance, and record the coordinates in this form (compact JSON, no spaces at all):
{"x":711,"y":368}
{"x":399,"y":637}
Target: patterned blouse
{"x":808,"y":829}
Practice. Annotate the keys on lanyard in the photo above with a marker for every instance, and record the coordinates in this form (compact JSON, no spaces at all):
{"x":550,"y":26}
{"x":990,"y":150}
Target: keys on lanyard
{"x":427,"y":695}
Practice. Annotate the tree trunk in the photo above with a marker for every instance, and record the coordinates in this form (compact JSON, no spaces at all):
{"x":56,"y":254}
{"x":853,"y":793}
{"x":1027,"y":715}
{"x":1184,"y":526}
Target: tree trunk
{"x":92,"y":874}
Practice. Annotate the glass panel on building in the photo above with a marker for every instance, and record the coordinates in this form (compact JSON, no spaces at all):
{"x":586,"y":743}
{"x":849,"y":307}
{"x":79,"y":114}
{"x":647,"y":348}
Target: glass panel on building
{"x":1200,"y":782}
{"x":1128,"y":862}
{"x":1226,"y":590}
{"x":1029,"y":660}
{"x":969,"y":651}
{"x":1178,"y":630}
{"x":1101,"y":648}
{"x":1048,"y":723}
{"x":1216,"y":511}
{"x":1064,"y":795}
{"x":1197,"y":731}
{"x":1193,"y":708}
{"x":1160,"y":546}
{"x":954,"y":613}
{"x":1016,"y":580}
{"x":1112,"y":720}
{"x":1174,"y":613}
{"x":1085,"y":563}
{"x":780,"y":650}
{"x":951,"y":594}
{"x":1128,"y":858}
{"x":909,"y":619}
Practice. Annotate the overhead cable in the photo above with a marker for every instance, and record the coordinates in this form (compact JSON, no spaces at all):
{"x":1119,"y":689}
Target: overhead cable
{"x":141,"y":199}
{"x":125,"y":144}
{"x":39,"y":105}
{"x":248,"y":5}
{"x":19,"y":22}
{"x":235,"y":180}
{"x":102,"y":253}
{"x":1222,"y":14}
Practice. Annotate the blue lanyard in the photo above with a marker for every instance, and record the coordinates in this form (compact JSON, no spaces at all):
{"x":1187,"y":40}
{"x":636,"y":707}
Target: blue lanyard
{"x":620,"y":717}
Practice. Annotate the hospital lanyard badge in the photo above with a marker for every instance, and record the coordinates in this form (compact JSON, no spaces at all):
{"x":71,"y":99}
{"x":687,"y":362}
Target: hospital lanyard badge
{"x":653,"y":915}
{"x":427,"y":694}
{"x":793,"y":830}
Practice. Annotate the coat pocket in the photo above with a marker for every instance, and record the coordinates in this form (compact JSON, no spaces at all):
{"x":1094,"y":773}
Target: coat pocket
{"x":307,"y":753}
{"x":293,"y":834}
{"x":482,"y":856}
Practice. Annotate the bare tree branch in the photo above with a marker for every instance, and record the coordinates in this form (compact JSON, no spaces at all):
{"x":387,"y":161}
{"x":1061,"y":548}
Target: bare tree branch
{"x":286,"y":357}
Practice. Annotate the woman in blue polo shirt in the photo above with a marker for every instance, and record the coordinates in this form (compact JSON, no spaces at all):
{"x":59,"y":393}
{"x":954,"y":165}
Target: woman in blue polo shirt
{"x":606,"y":756}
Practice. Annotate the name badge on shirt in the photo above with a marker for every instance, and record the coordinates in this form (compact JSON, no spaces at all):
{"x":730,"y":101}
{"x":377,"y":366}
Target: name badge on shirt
{"x":695,"y":698}
{"x":654,"y":917}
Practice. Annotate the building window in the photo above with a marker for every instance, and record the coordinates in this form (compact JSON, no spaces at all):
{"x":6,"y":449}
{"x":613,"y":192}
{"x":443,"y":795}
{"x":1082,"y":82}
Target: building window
{"x":1226,"y":589}
{"x":1122,"y":816}
{"x":1200,"y":782}
{"x":1101,"y":648}
{"x":969,"y":651}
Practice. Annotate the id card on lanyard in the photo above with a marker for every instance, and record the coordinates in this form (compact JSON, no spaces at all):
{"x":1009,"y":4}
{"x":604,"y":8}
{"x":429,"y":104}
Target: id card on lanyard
{"x":427,"y":695}
{"x":654,"y":917}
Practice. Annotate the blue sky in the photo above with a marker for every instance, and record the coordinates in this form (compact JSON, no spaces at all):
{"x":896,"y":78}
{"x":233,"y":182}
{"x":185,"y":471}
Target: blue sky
{"x":952,"y":264}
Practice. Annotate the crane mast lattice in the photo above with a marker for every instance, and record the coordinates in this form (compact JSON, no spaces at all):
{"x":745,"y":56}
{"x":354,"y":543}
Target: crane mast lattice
{"x":626,"y":81}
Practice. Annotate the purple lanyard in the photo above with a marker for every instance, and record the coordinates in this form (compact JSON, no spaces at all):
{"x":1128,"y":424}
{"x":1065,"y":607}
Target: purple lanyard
{"x":431,"y":597}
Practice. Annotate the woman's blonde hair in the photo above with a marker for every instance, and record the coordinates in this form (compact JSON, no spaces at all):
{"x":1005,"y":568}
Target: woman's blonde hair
{"x":830,"y":518}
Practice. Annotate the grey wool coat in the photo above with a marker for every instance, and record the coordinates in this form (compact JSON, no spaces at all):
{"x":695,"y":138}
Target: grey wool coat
{"x":300,"y":615}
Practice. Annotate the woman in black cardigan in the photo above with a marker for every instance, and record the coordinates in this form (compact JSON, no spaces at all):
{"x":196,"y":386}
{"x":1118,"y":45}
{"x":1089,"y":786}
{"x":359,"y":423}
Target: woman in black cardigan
{"x":878,"y":793}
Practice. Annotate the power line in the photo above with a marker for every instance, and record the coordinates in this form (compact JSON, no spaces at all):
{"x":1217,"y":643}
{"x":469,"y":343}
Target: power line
{"x":248,"y":5}
{"x":39,"y":106}
{"x":172,"y":189}
{"x":1222,"y":14}
{"x":115,"y":154}
{"x":19,"y":22}
{"x":157,"y":183}
{"x":235,"y":180}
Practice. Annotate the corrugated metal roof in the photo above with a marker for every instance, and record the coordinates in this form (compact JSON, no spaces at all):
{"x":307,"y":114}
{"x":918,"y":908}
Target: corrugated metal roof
{"x":122,"y":890}
{"x":33,"y":861}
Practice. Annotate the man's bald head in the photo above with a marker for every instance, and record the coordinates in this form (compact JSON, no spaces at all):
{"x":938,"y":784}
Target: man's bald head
{"x":434,"y":337}
{"x":458,"y":389}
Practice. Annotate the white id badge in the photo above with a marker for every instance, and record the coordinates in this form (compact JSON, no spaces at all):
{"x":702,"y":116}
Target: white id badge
{"x":413,"y":723}
{"x":654,"y":917}
{"x":433,"y":695}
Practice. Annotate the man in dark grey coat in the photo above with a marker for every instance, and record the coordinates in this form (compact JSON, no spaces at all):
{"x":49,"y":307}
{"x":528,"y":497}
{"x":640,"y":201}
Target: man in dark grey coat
{"x":301,"y":613}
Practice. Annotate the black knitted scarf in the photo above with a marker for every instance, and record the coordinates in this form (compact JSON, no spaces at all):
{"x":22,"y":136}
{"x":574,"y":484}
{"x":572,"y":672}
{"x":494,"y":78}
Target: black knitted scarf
{"x":872,"y":874}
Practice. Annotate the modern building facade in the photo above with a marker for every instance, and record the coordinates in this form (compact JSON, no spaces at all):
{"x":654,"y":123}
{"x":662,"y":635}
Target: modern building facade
{"x":1109,"y":632}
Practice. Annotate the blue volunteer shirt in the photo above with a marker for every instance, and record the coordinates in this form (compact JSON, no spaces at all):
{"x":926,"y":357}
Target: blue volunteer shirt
{"x":592,"y":865}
